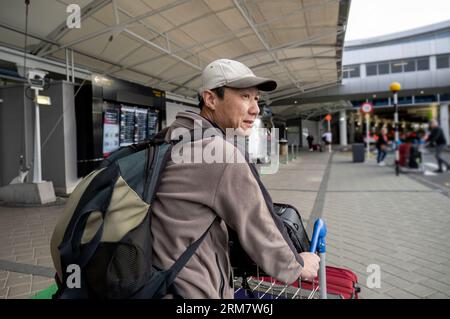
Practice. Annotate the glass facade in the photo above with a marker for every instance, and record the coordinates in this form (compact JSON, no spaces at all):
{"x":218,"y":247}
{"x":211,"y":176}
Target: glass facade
{"x":425,"y":99}
{"x":404,"y":100}
{"x":398,"y":66}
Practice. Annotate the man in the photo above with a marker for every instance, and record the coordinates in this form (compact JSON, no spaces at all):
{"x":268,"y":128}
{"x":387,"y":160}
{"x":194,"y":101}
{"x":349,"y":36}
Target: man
{"x":437,"y":138}
{"x":327,"y":138}
{"x":310,"y":140}
{"x":192,"y":195}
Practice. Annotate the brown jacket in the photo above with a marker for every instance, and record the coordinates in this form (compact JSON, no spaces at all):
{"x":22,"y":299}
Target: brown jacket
{"x":189,"y":199}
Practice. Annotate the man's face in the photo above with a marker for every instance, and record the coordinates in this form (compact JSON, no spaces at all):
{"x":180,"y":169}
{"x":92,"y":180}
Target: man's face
{"x":238,"y":109}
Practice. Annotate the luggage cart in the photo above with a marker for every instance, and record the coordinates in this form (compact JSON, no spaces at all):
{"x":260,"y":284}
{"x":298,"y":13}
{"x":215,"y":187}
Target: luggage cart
{"x":261,"y":287}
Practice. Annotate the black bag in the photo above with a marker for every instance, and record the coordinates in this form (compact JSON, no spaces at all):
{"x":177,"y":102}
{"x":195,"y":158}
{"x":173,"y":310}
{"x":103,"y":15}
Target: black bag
{"x":244,"y":266}
{"x":414,"y":157}
{"x":105,"y":229}
{"x":294,"y":226}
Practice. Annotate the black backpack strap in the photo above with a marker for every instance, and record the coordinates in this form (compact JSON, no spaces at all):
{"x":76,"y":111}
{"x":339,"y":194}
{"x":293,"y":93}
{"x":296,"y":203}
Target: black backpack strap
{"x":184,"y":258}
{"x":162,"y":282}
{"x":160,"y":158}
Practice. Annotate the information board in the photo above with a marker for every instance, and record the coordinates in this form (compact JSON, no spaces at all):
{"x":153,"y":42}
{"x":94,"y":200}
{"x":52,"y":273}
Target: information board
{"x":127,"y":120}
{"x":152,"y":123}
{"x":140,"y":125}
{"x":110,"y":131}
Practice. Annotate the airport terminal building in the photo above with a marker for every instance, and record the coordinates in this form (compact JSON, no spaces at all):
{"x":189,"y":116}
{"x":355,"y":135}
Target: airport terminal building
{"x":418,"y":59}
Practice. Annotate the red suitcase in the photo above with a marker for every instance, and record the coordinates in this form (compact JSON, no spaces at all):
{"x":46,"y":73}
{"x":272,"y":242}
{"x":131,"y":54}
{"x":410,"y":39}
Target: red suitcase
{"x":403,"y":150}
{"x":340,"y":282}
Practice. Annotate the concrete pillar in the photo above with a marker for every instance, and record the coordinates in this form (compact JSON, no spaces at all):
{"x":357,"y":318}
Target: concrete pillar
{"x":59,"y":143}
{"x":443,"y":112}
{"x":16,"y":133}
{"x":343,"y":127}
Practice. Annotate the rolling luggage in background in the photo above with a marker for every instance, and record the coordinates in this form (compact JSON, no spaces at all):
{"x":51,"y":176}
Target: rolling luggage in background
{"x":358,"y":153}
{"x":404,"y":153}
{"x":415,"y":157}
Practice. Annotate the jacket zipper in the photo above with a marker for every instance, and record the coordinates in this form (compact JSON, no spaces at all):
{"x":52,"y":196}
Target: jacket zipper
{"x":221,"y":277}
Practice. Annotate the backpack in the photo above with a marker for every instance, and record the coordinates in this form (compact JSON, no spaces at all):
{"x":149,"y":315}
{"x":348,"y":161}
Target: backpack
{"x":105,"y":229}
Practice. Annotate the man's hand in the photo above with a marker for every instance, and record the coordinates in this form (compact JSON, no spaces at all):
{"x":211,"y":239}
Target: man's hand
{"x":310,"y":267}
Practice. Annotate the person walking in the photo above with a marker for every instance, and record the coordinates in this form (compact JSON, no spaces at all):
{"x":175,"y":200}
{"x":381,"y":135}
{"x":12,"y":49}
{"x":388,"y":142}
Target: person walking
{"x":437,"y":138}
{"x":381,"y":145}
{"x":310,"y":140}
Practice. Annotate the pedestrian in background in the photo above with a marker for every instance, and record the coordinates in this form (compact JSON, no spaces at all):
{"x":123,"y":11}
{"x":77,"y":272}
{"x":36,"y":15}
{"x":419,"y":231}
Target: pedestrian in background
{"x":437,"y":138}
{"x":327,"y":138}
{"x":310,"y":140}
{"x":381,"y":145}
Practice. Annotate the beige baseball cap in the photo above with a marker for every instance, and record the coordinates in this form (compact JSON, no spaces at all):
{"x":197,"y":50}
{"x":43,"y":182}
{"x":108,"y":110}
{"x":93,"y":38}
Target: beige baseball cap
{"x":234,"y":74}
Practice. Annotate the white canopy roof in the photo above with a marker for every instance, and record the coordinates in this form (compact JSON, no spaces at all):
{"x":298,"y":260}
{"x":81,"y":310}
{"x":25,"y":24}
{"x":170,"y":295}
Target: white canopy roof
{"x":165,"y":44}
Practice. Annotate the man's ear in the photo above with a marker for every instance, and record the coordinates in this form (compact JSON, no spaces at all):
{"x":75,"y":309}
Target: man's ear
{"x":209,"y":98}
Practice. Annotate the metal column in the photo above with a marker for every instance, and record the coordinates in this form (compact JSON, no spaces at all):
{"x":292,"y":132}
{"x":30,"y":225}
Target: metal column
{"x":343,"y":127}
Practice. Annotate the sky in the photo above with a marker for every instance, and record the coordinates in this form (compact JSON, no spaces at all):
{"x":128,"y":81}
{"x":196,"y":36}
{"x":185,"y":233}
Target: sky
{"x":371,"y":18}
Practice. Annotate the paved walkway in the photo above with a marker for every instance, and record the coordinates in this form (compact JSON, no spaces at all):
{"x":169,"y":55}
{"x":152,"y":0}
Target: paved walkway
{"x":25,"y":263}
{"x":373,"y":218}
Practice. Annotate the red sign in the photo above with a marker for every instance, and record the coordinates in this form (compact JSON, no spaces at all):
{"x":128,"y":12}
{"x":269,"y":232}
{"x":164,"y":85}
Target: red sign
{"x":328,"y":118}
{"x":366,"y":108}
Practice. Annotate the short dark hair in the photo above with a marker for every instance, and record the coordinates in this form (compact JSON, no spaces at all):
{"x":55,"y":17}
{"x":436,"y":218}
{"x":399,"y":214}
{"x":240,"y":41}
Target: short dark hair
{"x":220,"y":92}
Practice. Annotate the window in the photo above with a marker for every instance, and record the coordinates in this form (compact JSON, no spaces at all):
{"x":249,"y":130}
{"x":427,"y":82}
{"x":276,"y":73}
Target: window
{"x":443,"y":62}
{"x":423,"y":64}
{"x":371,"y":69}
{"x":397,"y":66}
{"x":445,"y":97}
{"x":351,"y":71}
{"x":405,"y":100}
{"x":381,"y":102}
{"x":383,"y":68}
{"x":425,"y":99}
{"x":410,"y":65}
{"x":354,"y":73}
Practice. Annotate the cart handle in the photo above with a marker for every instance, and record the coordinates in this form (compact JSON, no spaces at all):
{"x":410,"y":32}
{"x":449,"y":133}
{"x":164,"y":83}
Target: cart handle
{"x":318,"y":243}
